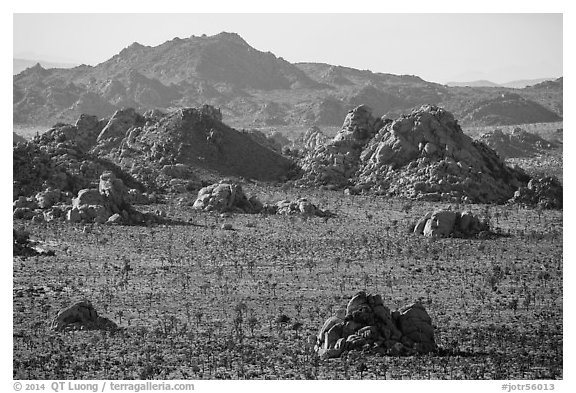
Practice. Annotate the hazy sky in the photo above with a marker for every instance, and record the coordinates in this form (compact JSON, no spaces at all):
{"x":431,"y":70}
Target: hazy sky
{"x":436,"y":47}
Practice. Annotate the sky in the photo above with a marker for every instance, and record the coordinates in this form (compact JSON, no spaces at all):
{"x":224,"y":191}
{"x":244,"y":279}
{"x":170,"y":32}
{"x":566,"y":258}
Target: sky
{"x":437,"y":47}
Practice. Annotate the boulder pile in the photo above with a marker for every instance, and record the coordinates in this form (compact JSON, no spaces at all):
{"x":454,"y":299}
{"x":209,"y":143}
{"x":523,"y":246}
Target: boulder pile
{"x":447,"y":223}
{"x":545,"y":193}
{"x":367,"y":324}
{"x":109,"y":203}
{"x":226,"y":197}
{"x":230,"y":197}
{"x":81,"y":316}
{"x":423,"y":155}
{"x":299,"y":206}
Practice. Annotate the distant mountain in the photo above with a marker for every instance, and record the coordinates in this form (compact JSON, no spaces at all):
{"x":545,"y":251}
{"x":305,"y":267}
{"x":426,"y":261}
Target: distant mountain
{"x":517,"y":84}
{"x":479,"y":83}
{"x":252,"y":88}
{"x":520,"y":84}
{"x":19,"y":65}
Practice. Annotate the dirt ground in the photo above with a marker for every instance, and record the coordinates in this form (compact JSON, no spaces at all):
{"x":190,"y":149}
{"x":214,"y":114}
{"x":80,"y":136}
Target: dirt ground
{"x":194,"y":301}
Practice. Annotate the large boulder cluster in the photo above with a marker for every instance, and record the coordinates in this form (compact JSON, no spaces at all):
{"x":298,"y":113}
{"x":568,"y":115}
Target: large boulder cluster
{"x":367,"y":324}
{"x":545,"y":193}
{"x":423,"y":155}
{"x":448,"y":223}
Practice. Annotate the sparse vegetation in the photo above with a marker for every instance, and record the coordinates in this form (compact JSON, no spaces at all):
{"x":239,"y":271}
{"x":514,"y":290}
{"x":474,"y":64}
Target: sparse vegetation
{"x":199,"y":303}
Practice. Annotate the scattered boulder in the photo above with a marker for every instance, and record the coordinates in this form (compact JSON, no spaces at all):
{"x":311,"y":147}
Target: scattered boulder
{"x":447,"y":223}
{"x":368,"y":324}
{"x":81,"y":316}
{"x":545,"y":192}
{"x":223,"y":197}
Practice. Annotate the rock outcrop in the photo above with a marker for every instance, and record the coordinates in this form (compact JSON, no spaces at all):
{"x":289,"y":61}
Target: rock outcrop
{"x":546,"y":193}
{"x":368,"y":324}
{"x":447,"y":223}
{"x":423,"y":155}
{"x":81,"y":316}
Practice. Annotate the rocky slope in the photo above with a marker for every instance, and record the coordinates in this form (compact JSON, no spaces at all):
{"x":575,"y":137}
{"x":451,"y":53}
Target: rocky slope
{"x":422,"y":155}
{"x":253,"y":88}
{"x":518,"y":143}
{"x":508,"y":108}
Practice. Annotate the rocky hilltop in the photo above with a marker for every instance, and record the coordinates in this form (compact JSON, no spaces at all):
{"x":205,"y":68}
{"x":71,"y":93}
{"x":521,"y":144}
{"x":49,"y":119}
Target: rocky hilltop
{"x":422,"y":155}
{"x":193,"y":138}
{"x":255,"y":88}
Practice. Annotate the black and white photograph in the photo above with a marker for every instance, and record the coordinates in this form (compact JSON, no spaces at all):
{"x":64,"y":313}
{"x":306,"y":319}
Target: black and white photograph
{"x":281,"y":196}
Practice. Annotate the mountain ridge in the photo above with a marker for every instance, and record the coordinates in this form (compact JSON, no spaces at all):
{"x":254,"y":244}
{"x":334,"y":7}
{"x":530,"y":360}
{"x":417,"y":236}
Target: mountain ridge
{"x":253,"y":88}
